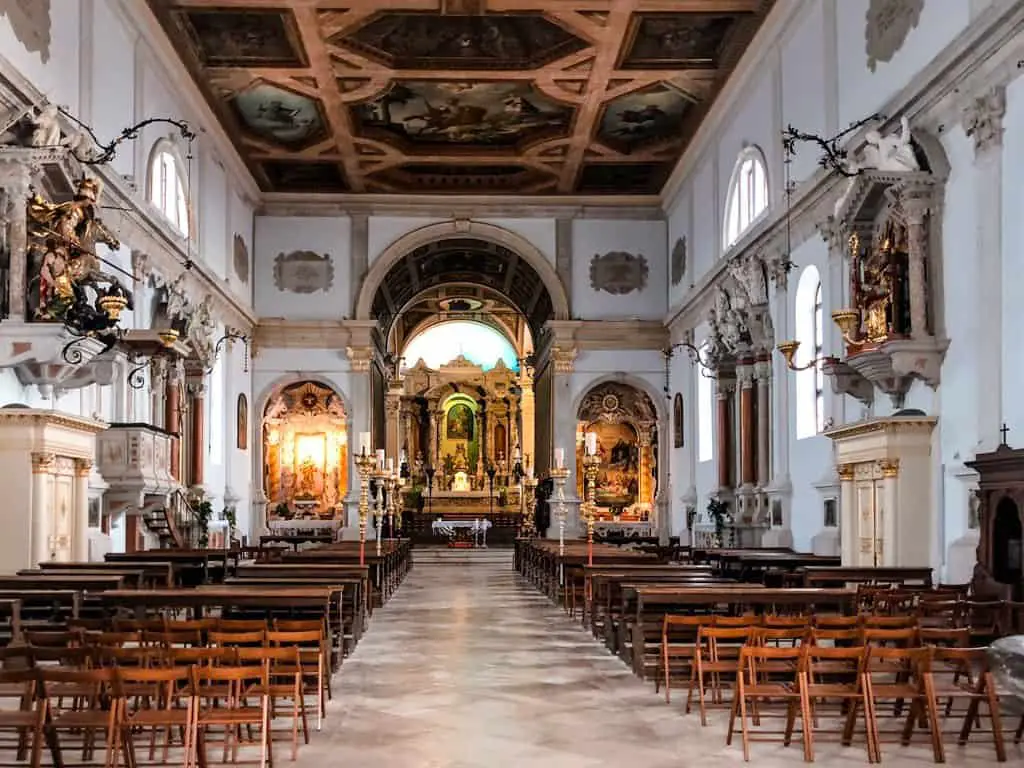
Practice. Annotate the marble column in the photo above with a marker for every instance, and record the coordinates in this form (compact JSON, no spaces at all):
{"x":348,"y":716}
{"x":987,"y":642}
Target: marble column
{"x":983,"y":122}
{"x":42,"y":512}
{"x":763,"y":380}
{"x":172,"y":415}
{"x":392,"y":407}
{"x":197,"y":438}
{"x":563,"y":435}
{"x":849,"y":528}
{"x":886,"y":517}
{"x":724,"y":444}
{"x":16,"y":177}
{"x":431,"y":457}
{"x":80,"y":543}
{"x":644,"y":465}
{"x":747,"y":431}
{"x":916,"y":203}
{"x":782,"y":382}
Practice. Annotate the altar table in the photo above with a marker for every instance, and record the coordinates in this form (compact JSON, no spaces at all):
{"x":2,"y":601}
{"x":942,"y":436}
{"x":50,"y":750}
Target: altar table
{"x":451,"y":529}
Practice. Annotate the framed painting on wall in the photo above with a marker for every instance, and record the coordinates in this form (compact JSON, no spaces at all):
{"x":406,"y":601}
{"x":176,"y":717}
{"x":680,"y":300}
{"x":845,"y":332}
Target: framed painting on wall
{"x":242,"y":423}
{"x":677,"y":420}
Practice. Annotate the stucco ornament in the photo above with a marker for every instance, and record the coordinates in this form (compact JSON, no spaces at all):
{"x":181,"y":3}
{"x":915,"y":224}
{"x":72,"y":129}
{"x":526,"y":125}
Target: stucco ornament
{"x":240,"y":258}
{"x":303,"y":272}
{"x":679,"y":260}
{"x":748,"y":272}
{"x":728,"y":323}
{"x":30,"y":22}
{"x":618,"y":272}
{"x":888,"y":23}
{"x":983,"y":118}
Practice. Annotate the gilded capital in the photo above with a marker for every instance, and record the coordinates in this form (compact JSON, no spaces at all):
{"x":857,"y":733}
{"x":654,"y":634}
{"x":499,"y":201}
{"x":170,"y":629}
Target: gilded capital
{"x":889,"y":467}
{"x":564,"y":359}
{"x":845,"y":472}
{"x":83,"y":467}
{"x":360,"y":358}
{"x":43,"y":463}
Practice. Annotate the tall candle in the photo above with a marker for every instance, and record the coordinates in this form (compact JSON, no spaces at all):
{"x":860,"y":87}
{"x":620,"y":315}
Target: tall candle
{"x":559,"y":457}
{"x":364,"y":443}
{"x":380,"y":458}
{"x":391,"y":464}
{"x":591,"y":443}
{"x":401,"y":458}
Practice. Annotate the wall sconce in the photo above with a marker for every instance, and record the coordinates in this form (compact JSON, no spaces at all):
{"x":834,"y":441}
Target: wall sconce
{"x":788,"y":350}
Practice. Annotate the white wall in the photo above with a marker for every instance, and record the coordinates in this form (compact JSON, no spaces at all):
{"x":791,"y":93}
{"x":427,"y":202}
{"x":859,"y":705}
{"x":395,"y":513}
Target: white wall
{"x":591,"y":237}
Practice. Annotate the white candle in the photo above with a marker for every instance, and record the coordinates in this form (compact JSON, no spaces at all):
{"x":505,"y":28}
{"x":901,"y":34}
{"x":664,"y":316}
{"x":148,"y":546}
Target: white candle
{"x":364,"y":443}
{"x":529,"y":472}
{"x":380,"y":458}
{"x":391,"y":464}
{"x":591,"y":443}
{"x":559,"y":457}
{"x":401,"y":458}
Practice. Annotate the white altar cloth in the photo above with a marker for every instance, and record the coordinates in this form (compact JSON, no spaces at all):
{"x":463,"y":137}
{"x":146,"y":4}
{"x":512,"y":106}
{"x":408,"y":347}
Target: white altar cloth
{"x":478,"y":527}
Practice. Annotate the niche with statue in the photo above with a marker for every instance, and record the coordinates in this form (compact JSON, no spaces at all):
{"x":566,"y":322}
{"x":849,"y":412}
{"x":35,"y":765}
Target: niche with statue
{"x":305,"y":448}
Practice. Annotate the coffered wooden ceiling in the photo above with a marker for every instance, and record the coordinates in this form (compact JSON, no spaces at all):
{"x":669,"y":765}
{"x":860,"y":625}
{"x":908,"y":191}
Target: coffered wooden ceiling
{"x":527,"y":97}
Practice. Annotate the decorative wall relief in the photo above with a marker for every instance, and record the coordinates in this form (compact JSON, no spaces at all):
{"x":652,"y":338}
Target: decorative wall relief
{"x":30,"y":22}
{"x":242,"y":424}
{"x":618,"y":272}
{"x":679,"y":260}
{"x":303,"y":272}
{"x":888,"y":24}
{"x":240,"y":259}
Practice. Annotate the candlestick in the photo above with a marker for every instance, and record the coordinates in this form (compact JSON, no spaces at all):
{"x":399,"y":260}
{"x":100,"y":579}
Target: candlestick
{"x":364,"y":443}
{"x":559,"y":458}
{"x":364,"y":464}
{"x":531,"y":495}
{"x":391,"y":464}
{"x":591,"y":463}
{"x":379,"y":512}
{"x":380,"y":458}
{"x":559,"y":475}
{"x":591,"y":443}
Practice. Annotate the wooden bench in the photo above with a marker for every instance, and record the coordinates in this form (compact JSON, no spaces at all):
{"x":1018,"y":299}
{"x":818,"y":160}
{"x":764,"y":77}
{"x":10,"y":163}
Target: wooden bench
{"x":153,"y":574}
{"x":838,"y":576}
{"x":10,"y":621}
{"x":192,"y":566}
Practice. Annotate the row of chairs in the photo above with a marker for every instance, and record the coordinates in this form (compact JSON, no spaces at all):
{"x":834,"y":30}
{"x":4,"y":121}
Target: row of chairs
{"x":706,"y":650}
{"x":62,"y":706}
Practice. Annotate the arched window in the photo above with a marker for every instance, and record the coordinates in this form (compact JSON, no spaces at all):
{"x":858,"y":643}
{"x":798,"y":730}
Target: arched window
{"x":810,"y":332}
{"x":167,"y":189}
{"x":747,"y":197}
{"x":705,"y":413}
{"x":480,"y":344}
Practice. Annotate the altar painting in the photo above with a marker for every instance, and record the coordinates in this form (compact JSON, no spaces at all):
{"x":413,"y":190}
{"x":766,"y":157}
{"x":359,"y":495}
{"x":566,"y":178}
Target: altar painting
{"x":618,"y":474}
{"x":459,"y":444}
{"x":305,"y":440}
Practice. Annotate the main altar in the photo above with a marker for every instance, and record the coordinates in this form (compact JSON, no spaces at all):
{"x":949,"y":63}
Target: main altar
{"x":467,"y":437}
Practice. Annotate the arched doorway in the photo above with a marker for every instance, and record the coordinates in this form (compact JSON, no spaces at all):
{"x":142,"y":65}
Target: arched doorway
{"x":624,"y":420}
{"x":1007,"y":543}
{"x":305,"y":447}
{"x":457,"y":319}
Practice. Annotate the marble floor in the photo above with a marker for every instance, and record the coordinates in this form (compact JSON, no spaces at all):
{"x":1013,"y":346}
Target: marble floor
{"x":468,"y":666}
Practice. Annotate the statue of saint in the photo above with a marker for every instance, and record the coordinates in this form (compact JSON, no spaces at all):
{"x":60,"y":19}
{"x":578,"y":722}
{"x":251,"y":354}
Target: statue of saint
{"x":890,"y":153}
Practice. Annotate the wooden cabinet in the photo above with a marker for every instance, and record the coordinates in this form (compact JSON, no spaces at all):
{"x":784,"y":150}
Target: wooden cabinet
{"x":1000,"y":568}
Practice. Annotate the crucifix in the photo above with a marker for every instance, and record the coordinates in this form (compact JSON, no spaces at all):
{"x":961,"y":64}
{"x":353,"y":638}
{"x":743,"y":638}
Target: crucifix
{"x":1003,"y":430}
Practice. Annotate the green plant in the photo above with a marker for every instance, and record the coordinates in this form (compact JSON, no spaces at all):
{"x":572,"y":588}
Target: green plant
{"x":229,"y":515}
{"x":281,"y":511}
{"x":720,"y":516}
{"x":414,"y":498}
{"x":203,"y":512}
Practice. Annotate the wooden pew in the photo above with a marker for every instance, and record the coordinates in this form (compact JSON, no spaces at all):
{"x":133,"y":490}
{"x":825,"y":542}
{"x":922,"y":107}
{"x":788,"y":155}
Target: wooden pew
{"x":80,"y":582}
{"x":130,"y":578}
{"x":651,"y":603}
{"x":598,"y":579}
{"x":838,"y":576}
{"x":49,"y":609}
{"x":386,"y":570}
{"x":10,"y":621}
{"x":192,"y":566}
{"x":295,"y":541}
{"x":155,"y":574}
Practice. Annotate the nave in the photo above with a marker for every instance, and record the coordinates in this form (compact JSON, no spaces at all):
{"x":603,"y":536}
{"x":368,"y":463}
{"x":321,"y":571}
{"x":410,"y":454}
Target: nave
{"x":468,"y":665}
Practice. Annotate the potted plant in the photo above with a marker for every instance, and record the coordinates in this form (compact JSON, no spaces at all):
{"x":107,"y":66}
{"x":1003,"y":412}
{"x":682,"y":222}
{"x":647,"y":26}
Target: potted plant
{"x":203,"y":515}
{"x":718,"y":511}
{"x":231,"y":518}
{"x":282,"y":512}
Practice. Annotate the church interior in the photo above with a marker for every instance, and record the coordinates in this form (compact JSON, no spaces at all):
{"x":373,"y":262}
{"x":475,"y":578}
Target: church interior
{"x":450,"y":383}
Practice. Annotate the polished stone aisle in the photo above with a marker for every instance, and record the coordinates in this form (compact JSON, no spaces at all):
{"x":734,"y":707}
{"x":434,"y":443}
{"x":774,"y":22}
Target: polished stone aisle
{"x":468,"y":666}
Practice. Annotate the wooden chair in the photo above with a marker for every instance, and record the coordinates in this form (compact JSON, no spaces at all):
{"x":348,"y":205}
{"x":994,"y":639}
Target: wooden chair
{"x":95,"y":707}
{"x":718,"y":651}
{"x":836,"y":676}
{"x":250,"y":638}
{"x":899,"y":675}
{"x":284,"y":681}
{"x":161,"y":700}
{"x":971,"y":681}
{"x":232,"y":709}
{"x":311,"y":646}
{"x":678,"y":645}
{"x":22,"y":712}
{"x":758,"y":684}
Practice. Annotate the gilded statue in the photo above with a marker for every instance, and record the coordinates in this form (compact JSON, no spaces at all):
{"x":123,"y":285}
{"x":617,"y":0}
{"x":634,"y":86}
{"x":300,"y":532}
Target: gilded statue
{"x":881,"y":289}
{"x":63,"y":238}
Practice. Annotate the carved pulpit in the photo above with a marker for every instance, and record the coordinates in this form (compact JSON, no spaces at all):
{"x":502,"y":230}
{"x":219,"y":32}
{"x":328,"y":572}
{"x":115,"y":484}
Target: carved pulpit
{"x":887,"y":513}
{"x":45,"y":462}
{"x":1000,"y":569}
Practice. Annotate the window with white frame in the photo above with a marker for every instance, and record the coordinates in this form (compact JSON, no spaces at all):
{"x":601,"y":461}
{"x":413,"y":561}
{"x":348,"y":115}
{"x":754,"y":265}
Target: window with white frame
{"x":167,"y":189}
{"x":705,"y":412}
{"x":810,"y":383}
{"x":747,"y":197}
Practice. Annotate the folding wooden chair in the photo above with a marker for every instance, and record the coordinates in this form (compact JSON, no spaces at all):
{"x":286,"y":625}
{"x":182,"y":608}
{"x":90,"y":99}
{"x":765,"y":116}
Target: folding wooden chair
{"x":836,"y":675}
{"x":758,"y":686}
{"x":158,"y":700}
{"x":971,"y":680}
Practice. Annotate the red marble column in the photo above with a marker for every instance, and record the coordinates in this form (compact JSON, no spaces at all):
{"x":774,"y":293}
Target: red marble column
{"x":747,"y":432}
{"x":197,"y":406}
{"x":724,"y":436}
{"x":172,"y":423}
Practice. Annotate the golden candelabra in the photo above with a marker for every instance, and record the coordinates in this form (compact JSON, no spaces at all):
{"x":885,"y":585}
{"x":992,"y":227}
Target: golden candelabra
{"x":379,"y":510}
{"x":560,"y":475}
{"x":529,"y":510}
{"x":364,"y":464}
{"x":590,"y":465}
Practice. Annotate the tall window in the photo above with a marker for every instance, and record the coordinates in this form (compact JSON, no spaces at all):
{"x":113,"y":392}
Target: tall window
{"x":441,"y":343}
{"x":810,"y":332}
{"x":705,"y":413}
{"x":167,"y":190}
{"x":747,"y":197}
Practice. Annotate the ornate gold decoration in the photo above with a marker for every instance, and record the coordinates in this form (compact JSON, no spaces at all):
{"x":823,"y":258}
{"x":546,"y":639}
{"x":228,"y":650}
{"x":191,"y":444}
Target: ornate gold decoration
{"x":889,"y":467}
{"x":83,"y":467}
{"x":846,"y":472}
{"x":43,"y":463}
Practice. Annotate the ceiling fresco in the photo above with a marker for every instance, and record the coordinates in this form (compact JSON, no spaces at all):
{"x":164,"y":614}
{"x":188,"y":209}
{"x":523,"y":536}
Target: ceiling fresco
{"x":595,"y":97}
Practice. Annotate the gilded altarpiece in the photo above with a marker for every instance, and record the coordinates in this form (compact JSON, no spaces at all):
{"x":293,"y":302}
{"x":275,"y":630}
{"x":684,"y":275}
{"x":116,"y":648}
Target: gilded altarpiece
{"x":625,"y":422}
{"x":305,"y":440}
